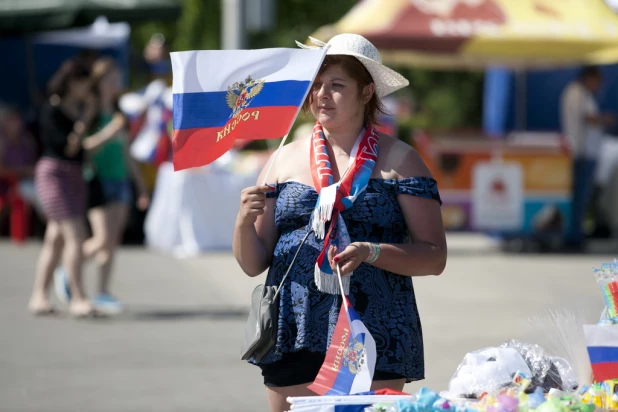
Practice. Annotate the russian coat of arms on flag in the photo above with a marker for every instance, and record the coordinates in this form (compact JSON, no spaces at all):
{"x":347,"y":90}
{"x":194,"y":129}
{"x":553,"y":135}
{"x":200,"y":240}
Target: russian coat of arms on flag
{"x":350,"y":359}
{"x":223,"y":95}
{"x":240,"y":95}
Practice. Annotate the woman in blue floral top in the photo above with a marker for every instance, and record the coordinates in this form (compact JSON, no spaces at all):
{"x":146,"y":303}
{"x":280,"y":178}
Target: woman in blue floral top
{"x":380,"y":223}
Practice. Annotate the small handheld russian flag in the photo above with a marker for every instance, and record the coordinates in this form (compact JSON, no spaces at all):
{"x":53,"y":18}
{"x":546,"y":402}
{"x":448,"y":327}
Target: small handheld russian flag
{"x":602,"y":344}
{"x":224,"y":95}
{"x":351,"y":356}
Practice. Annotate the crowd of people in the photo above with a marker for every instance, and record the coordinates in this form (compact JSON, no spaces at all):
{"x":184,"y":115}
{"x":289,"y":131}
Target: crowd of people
{"x":78,"y":175}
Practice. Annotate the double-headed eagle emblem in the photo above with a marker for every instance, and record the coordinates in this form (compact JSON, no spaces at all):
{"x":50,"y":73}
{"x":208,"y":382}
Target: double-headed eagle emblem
{"x":353,"y":356}
{"x":239,"y":95}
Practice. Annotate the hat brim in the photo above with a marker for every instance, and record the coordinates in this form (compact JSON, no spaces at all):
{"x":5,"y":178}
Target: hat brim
{"x":386,"y":80}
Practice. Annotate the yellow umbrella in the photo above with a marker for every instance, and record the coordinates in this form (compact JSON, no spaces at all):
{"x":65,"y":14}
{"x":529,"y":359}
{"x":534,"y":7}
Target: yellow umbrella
{"x":477,"y":33}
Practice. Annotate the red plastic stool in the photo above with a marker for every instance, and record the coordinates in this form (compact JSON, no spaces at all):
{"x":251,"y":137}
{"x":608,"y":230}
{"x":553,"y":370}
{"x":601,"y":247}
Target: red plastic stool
{"x":19,"y":218}
{"x":19,"y":213}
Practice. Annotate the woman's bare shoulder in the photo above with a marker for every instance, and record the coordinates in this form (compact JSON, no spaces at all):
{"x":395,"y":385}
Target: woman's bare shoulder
{"x":292,"y":152}
{"x":296,"y":146}
{"x":286,"y":160}
{"x":399,"y":160}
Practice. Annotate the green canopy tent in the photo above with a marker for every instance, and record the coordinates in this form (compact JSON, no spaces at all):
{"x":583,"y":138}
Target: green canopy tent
{"x":27,"y":16}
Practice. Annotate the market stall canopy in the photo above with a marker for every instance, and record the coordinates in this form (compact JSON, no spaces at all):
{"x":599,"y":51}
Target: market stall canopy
{"x":477,"y":33}
{"x":99,"y":35}
{"x":26,"y":16}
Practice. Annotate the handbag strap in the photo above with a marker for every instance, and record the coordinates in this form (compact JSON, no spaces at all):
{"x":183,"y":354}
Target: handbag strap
{"x":291,"y":264}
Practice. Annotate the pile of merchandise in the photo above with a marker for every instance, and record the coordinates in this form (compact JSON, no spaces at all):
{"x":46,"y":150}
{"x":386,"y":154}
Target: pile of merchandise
{"x":544,"y":387}
{"x":514,"y":377}
{"x":514,"y":398}
{"x":607,"y":278}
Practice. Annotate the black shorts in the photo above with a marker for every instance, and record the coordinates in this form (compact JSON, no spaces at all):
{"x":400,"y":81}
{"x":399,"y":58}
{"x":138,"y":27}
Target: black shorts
{"x":96,"y":196}
{"x":301,"y":367}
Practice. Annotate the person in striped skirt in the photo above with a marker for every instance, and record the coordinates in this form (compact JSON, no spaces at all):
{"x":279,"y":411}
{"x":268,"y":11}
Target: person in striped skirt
{"x":60,"y":186}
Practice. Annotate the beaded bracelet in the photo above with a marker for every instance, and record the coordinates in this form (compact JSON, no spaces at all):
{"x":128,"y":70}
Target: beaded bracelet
{"x":374,"y":252}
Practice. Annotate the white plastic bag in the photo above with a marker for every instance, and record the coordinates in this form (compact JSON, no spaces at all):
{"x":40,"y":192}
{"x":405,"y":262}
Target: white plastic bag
{"x":485,"y":370}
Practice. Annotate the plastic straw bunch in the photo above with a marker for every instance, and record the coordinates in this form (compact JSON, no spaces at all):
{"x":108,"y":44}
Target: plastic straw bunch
{"x":561,"y":333}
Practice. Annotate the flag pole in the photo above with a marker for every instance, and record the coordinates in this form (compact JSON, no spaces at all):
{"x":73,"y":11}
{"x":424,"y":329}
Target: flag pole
{"x":276,"y":155}
{"x":297,"y":112}
{"x":345,"y":301}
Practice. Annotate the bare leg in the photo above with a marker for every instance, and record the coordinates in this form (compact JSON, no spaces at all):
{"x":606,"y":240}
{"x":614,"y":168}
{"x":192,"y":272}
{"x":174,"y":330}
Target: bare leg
{"x":98,"y":224}
{"x":74,"y":233}
{"x":108,"y":224}
{"x":116,"y":216}
{"x":396,"y":384}
{"x":277,"y":396}
{"x":48,"y":260}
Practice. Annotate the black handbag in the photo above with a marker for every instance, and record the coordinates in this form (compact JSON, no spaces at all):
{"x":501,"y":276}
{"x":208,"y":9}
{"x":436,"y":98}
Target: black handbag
{"x":262,"y":323}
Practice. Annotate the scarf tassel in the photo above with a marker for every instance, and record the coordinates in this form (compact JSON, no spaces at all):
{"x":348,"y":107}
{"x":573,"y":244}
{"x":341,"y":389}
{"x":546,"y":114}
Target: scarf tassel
{"x":328,"y":282}
{"x":321,"y":215}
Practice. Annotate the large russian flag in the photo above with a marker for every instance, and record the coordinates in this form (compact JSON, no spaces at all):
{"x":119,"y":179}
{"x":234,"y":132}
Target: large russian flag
{"x":602,"y":343}
{"x":224,"y":95}
{"x":350,"y":358}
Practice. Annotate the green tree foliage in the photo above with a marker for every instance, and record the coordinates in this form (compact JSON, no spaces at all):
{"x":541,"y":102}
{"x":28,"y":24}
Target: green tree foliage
{"x":198,"y":27}
{"x":445,"y":99}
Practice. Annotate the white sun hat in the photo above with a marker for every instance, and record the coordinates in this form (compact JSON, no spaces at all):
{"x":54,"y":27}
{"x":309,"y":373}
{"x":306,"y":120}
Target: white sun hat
{"x":386,"y":80}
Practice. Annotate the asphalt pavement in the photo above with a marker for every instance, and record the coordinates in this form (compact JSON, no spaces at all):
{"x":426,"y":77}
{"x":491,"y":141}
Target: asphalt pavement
{"x":176,"y":347}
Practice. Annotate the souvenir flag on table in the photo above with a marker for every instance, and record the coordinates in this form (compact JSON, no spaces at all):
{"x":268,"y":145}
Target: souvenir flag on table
{"x":224,"y":95}
{"x":346,"y":403}
{"x":350,"y":358}
{"x":602,"y":344}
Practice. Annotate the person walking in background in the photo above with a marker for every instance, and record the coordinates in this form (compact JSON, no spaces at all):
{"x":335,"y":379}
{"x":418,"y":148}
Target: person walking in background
{"x":583,"y":125}
{"x":61,"y":188}
{"x":109,"y":171}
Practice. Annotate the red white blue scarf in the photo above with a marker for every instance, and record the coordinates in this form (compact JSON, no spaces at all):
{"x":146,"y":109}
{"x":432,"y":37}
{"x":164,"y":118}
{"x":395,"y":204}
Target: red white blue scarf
{"x":335,"y":197}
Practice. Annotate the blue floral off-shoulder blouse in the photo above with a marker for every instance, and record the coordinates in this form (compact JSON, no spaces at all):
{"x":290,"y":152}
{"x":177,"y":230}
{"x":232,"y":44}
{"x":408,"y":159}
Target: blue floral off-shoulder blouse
{"x":384,"y":301}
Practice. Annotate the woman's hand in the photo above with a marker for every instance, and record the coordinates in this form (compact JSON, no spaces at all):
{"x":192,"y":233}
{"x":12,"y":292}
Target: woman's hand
{"x":74,"y":144}
{"x":252,"y":203}
{"x":348,"y":260}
